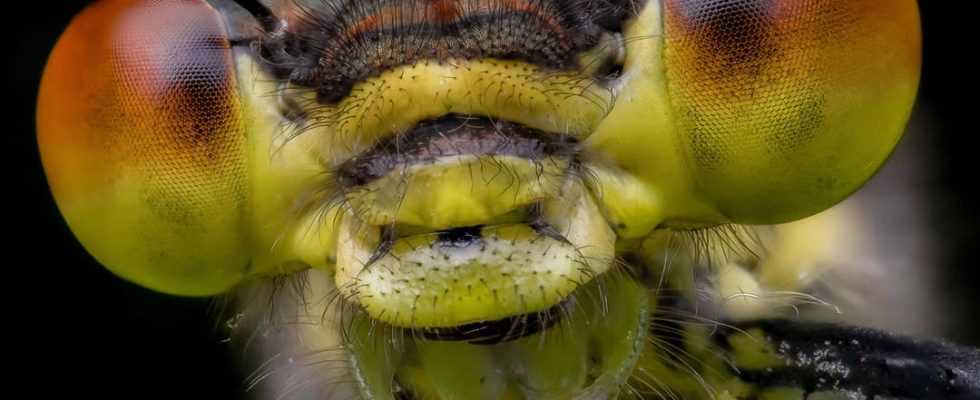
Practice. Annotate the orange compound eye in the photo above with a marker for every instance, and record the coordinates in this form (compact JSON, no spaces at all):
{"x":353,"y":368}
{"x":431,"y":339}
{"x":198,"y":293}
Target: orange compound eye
{"x":785,"y":107}
{"x":142,"y":137}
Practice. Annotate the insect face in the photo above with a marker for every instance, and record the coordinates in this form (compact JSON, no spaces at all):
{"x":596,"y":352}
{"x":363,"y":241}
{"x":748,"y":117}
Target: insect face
{"x":486,"y":175}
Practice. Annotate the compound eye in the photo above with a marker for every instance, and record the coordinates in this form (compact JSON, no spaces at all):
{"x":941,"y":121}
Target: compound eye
{"x":141,"y":135}
{"x":785,"y":107}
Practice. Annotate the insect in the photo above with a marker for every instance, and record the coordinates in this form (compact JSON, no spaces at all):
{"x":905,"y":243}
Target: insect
{"x":494,"y":199}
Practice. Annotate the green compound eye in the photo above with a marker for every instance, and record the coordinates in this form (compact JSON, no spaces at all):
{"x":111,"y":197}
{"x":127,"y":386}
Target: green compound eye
{"x":761,"y":111}
{"x":789,"y":106}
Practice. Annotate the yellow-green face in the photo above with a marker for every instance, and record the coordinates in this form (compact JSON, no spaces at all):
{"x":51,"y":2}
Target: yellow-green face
{"x":461,"y":163}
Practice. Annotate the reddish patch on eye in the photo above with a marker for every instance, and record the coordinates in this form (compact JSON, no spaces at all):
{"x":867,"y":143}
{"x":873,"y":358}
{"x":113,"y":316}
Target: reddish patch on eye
{"x":142,"y":86}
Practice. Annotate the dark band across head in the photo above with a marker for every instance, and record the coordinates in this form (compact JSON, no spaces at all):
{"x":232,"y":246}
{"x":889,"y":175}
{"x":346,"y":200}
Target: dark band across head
{"x":336,"y":44}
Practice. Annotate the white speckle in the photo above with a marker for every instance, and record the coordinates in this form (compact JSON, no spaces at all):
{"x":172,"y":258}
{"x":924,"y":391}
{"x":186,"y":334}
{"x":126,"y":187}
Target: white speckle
{"x":834,"y":368}
{"x":821,"y":354}
{"x":784,"y":347}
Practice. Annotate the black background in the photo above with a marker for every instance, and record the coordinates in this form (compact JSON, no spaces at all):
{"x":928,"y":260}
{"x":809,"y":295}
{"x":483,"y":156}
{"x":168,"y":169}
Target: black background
{"x":78,"y":329}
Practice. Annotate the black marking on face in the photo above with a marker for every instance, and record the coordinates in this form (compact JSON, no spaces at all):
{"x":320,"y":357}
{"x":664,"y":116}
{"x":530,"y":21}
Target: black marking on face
{"x":460,"y":237}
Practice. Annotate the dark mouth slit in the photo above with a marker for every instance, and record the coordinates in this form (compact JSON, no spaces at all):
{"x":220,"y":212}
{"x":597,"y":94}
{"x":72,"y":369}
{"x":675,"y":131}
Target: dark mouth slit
{"x":451,"y":136}
{"x":498,"y":331}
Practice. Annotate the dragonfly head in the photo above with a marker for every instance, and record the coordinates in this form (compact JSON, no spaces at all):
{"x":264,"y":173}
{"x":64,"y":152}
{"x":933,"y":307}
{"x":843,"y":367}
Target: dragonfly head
{"x":470,"y":172}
